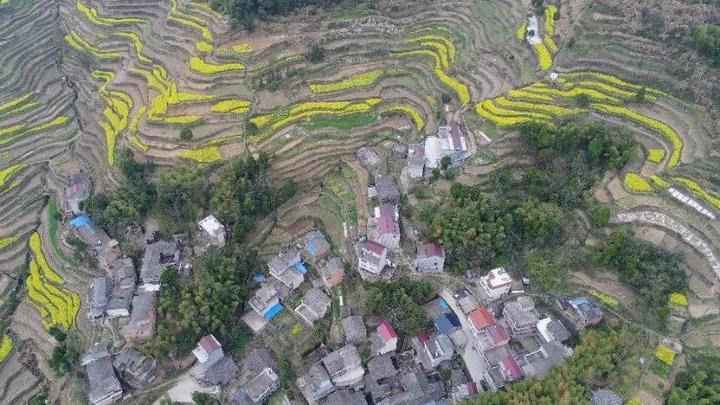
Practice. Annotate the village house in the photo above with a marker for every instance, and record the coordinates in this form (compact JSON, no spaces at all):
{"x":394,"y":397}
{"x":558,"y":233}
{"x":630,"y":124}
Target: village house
{"x":157,"y":257}
{"x":258,"y":378}
{"x":212,"y":367}
{"x":123,"y":288}
{"x":604,"y":396}
{"x":387,"y":190}
{"x":539,"y":362}
{"x":106,"y":249}
{"x":354,"y":329}
{"x":492,"y":336}
{"x":315,"y":384}
{"x":386,"y":227}
{"x":461,"y":389}
{"x":415,"y":387}
{"x":384,"y":339}
{"x":372,"y":256}
{"x":430,"y":258}
{"x":430,"y":352}
{"x":344,"y":366}
{"x":552,"y":330}
{"x":332,"y":273}
{"x":521,"y":316}
{"x":495,"y":285}
{"x":382,"y":378}
{"x":587,"y":311}
{"x":345,"y":396}
{"x":287,"y":268}
{"x":467,"y":302}
{"x":135,"y":368}
{"x":141,"y":327}
{"x":103,"y":385}
{"x":448,"y":142}
{"x":97,"y":298}
{"x":416,"y":161}
{"x":79,"y":189}
{"x":266,"y":301}
{"x":313,"y":305}
{"x":213,"y":232}
{"x":315,"y":246}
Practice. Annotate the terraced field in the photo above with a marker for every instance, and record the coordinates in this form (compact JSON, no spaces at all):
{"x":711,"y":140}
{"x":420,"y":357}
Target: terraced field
{"x":81,"y":79}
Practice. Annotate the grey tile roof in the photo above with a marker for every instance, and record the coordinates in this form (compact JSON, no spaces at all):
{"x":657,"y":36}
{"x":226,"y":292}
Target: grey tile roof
{"x":341,"y":360}
{"x":98,"y":297}
{"x":221,"y":372}
{"x":354,"y":329}
{"x":344,"y":396}
{"x":605,"y":397}
{"x":157,"y":257}
{"x":135,"y":368}
{"x":316,"y":383}
{"x":380,"y":367}
{"x":102,"y":381}
{"x":387,"y":189}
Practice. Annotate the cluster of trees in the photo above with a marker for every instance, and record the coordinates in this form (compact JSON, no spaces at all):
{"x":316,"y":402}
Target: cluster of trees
{"x":211,"y":301}
{"x":699,"y":384}
{"x":707,"y":40}
{"x":244,"y":12}
{"x":400,"y":302}
{"x":599,"y":361}
{"x":177,"y":197}
{"x":652,"y":271}
{"x":570,"y":159}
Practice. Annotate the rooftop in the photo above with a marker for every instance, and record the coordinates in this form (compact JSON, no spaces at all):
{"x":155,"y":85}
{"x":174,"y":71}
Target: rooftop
{"x":387,"y":189}
{"x":387,"y":222}
{"x":432,"y":249}
{"x":481,"y":318}
{"x":158,"y":256}
{"x":342,"y":360}
{"x":316,"y":243}
{"x":354,"y":328}
{"x":386,"y":331}
{"x":374,"y":247}
{"x":380,"y":367}
{"x":497,"y":278}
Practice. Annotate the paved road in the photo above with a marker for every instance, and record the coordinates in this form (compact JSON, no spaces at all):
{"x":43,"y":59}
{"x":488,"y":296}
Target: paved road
{"x":472,"y":357}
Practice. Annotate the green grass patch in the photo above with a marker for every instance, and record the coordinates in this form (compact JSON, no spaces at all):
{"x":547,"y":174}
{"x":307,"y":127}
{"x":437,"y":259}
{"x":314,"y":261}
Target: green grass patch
{"x":53,"y":228}
{"x":660,"y":369}
{"x":341,"y":122}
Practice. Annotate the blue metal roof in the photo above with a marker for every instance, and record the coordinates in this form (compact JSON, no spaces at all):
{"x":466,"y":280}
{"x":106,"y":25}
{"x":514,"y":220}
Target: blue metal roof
{"x":258,"y":277}
{"x":454,"y":320}
{"x":82,"y":220}
{"x":443,"y":304}
{"x":442,"y":323}
{"x":300,"y":266}
{"x":274,"y":310}
{"x":311,"y":247}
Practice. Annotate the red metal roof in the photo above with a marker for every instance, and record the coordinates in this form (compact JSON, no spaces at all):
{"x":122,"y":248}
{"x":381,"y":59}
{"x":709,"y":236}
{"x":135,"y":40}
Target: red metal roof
{"x":423,"y":337}
{"x":472,"y":388}
{"x":482,"y":318}
{"x":455,"y":134}
{"x":498,"y":333}
{"x":433,"y":249}
{"x":372,"y":246}
{"x":511,"y":368}
{"x":386,"y":331}
{"x":387,"y":222}
{"x":209,"y":343}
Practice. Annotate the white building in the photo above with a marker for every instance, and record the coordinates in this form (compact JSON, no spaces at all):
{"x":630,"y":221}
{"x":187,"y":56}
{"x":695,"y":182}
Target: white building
{"x":214,"y":230}
{"x":372,"y":256}
{"x":448,"y":142}
{"x":495,"y":285}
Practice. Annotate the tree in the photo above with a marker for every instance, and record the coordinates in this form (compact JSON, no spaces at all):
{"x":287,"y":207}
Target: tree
{"x":707,"y":41}
{"x":445,"y":162}
{"x":653,"y":272}
{"x":640,"y":95}
{"x":601,"y":216}
{"x":583,"y":100}
{"x":315,"y":54}
{"x":180,"y":194}
{"x":201,"y":398}
{"x":400,"y":301}
{"x":57,"y":333}
{"x":64,"y":357}
{"x":545,"y":272}
{"x":186,"y":133}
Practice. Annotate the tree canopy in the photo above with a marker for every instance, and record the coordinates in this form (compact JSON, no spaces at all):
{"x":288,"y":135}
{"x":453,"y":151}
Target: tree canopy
{"x":400,"y":302}
{"x":652,"y":271}
{"x":245,"y":12}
